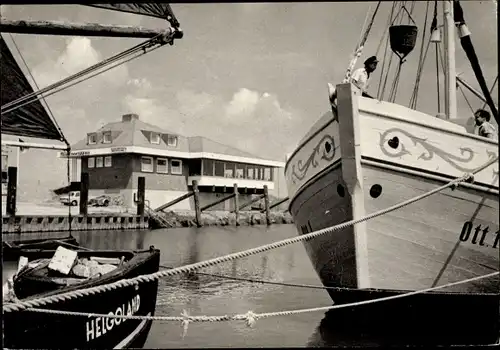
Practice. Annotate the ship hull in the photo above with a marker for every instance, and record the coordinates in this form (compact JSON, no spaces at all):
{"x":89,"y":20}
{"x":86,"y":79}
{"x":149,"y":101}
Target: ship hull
{"x":415,"y":247}
{"x":370,"y":155}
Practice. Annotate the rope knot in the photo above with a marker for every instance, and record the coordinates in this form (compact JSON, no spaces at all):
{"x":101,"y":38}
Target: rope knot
{"x":469,"y":177}
{"x":250,"y":318}
{"x":185,"y":322}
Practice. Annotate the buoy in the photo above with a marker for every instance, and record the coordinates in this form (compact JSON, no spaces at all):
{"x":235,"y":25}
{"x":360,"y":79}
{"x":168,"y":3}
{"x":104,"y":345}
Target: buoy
{"x":403,"y":39}
{"x":436,"y":36}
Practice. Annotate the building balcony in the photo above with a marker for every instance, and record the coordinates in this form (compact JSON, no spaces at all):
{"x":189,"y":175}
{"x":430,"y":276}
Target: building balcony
{"x":229,"y":182}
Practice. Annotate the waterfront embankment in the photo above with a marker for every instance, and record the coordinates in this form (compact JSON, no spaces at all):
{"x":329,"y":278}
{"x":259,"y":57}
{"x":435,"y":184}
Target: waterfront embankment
{"x":186,"y":218}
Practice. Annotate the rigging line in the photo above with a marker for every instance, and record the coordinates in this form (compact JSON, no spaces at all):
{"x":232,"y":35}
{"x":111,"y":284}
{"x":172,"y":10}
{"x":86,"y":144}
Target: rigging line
{"x":386,"y":31}
{"x":397,"y":14}
{"x":466,"y":100}
{"x":363,"y":28}
{"x":419,"y":78}
{"x":311,"y":286}
{"x":368,"y":29}
{"x":420,"y":60}
{"x":394,"y":89}
{"x":36,"y":85}
{"x":385,"y":50}
{"x":411,"y":10}
{"x":73,"y":77}
{"x":491,"y":91}
{"x":80,"y":81}
{"x":437,"y":78}
{"x":89,"y":69}
{"x":85,"y":71}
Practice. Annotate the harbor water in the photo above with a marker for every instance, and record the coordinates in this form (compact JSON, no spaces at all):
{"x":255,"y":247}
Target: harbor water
{"x":208,"y":295}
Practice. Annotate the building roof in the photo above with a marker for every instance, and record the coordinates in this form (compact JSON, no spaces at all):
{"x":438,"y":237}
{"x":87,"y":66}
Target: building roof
{"x":132,"y":132}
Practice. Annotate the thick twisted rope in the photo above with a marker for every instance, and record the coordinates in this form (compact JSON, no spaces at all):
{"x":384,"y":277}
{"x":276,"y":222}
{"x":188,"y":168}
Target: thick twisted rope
{"x":250,"y":317}
{"x":23,"y":305}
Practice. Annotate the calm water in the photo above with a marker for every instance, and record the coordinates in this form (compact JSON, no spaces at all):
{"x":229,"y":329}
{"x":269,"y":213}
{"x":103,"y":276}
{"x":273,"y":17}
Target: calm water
{"x":206,"y":295}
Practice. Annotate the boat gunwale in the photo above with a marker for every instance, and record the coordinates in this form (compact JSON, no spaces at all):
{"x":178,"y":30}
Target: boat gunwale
{"x":103,"y":279}
{"x":387,"y":116}
{"x":382,"y":164}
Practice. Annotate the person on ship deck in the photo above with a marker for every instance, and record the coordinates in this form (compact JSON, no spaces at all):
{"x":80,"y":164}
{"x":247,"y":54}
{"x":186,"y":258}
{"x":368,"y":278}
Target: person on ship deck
{"x":361,"y":76}
{"x":485,"y":128}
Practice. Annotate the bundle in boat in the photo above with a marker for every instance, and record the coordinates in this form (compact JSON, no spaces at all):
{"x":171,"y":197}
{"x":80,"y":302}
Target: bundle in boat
{"x":53,"y":273}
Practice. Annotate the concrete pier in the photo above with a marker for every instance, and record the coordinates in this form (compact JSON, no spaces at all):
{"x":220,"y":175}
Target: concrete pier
{"x":55,"y":223}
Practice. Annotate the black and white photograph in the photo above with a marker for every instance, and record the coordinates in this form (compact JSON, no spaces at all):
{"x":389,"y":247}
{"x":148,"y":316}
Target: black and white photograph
{"x":250,"y":175}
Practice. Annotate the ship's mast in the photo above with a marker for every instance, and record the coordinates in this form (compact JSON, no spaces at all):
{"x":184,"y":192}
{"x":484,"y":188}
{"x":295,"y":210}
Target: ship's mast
{"x":449,"y":53}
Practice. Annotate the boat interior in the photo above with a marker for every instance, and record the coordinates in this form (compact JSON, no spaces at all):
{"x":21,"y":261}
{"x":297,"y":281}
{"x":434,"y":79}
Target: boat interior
{"x":37,"y":277}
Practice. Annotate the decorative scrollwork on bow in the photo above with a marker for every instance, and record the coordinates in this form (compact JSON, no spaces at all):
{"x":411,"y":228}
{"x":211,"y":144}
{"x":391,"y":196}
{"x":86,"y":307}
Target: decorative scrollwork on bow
{"x":327,"y":144}
{"x":429,"y":150}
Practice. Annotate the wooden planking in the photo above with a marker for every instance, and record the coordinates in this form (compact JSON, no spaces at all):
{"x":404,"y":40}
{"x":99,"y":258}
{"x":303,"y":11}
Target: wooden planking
{"x":406,"y":251}
{"x":430,"y":235}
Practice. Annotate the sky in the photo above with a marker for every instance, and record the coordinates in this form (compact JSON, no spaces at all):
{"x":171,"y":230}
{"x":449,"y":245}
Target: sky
{"x":249,"y":75}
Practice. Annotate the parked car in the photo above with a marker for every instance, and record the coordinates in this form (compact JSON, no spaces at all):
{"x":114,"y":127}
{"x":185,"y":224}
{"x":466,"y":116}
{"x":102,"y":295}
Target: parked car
{"x":100,"y":201}
{"x":72,"y":198}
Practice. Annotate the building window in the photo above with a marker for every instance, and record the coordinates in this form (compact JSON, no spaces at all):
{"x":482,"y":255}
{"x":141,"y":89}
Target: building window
{"x":172,"y":140}
{"x":107,"y":162}
{"x":195,"y":167}
{"x":208,"y":167}
{"x":176,"y":167}
{"x":161,"y":166}
{"x":229,"y":170}
{"x":240,"y":171}
{"x":155,"y":138}
{"x":91,"y":162}
{"x":106,"y":137}
{"x":92,"y":139}
{"x":267,"y":174}
{"x":98,"y":162}
{"x":147,"y":164}
{"x":250,"y":172}
{"x":219,"y":169}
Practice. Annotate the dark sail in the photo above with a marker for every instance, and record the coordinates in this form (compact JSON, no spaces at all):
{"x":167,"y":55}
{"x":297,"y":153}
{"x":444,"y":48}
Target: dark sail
{"x":31,"y":120}
{"x":466,"y":42}
{"x":157,"y":10}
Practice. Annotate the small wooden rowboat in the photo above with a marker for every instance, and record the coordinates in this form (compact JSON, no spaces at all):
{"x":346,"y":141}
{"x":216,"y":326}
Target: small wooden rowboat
{"x":26,"y":329}
{"x":14,"y":249}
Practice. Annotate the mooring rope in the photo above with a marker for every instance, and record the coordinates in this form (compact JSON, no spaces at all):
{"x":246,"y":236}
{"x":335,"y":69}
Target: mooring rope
{"x":23,"y":305}
{"x":250,"y":317}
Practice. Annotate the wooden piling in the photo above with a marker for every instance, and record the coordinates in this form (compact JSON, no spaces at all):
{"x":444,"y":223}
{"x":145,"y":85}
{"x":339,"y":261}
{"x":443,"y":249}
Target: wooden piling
{"x":84,"y":193}
{"x":236,"y":205}
{"x":197,"y":210}
{"x":217,"y":202}
{"x":11,"y":191}
{"x":266,"y":203}
{"x":277,"y":203}
{"x":256,"y":199}
{"x":175,"y":201}
{"x":141,"y":194}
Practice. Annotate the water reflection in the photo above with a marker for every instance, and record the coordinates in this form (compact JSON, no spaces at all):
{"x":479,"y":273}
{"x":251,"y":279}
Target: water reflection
{"x":210,"y":295}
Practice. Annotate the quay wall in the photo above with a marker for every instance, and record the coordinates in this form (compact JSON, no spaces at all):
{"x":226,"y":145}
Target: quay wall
{"x":57,"y":223}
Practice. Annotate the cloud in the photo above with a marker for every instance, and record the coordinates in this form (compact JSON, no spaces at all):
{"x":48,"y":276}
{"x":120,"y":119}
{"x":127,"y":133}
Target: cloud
{"x":243,"y":103}
{"x":78,"y":55}
{"x":242,"y":121}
